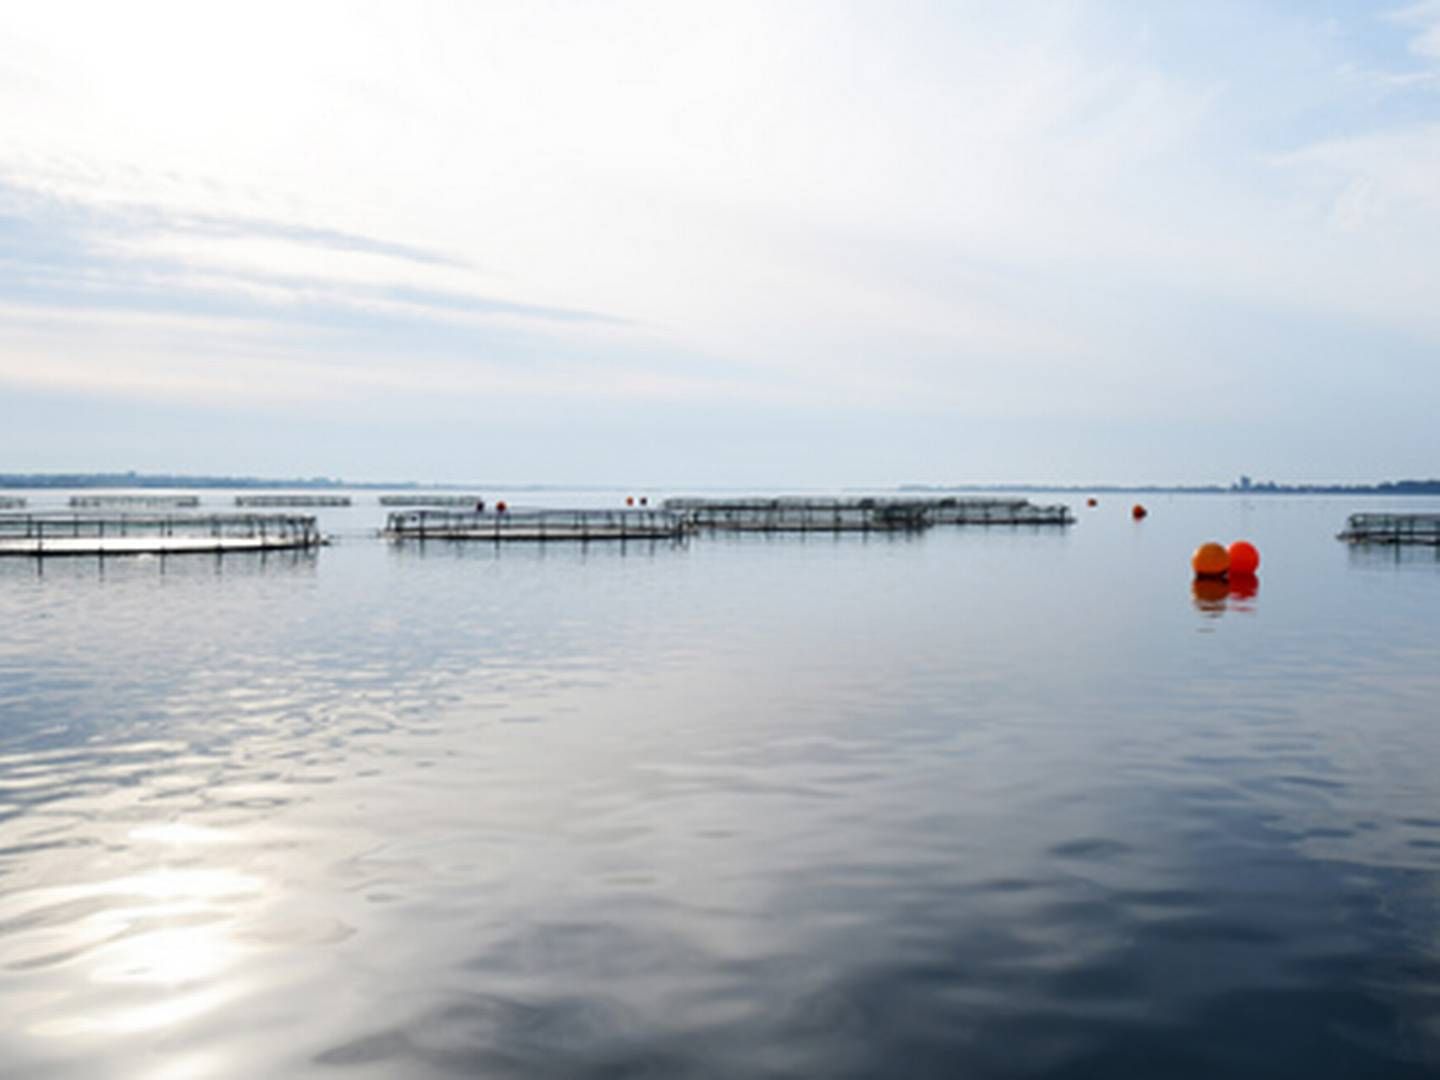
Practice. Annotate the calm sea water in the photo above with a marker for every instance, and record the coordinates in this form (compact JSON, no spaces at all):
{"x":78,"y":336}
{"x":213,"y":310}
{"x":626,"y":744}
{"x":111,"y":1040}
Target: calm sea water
{"x":1005,"y":803}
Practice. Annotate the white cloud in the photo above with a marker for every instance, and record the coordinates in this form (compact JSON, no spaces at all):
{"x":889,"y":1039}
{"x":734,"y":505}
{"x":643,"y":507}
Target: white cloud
{"x":976,"y":208}
{"x":1424,"y":18}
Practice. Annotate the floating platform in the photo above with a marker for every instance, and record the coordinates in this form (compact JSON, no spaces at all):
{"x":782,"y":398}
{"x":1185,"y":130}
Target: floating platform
{"x":158,"y":534}
{"x":537,"y":525}
{"x":430,"y":500}
{"x":292,"y":500}
{"x":134,"y":502}
{"x":1372,"y":528}
{"x":951,"y":511}
{"x":808,"y":514}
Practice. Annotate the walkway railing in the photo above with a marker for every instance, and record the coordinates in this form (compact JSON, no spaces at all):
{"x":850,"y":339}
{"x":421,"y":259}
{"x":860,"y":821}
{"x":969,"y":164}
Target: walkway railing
{"x":429,"y":500}
{"x":292,"y":500}
{"x":134,"y":502}
{"x":818,"y":514}
{"x":1381,"y":528}
{"x":60,"y":533}
{"x":540,"y":525}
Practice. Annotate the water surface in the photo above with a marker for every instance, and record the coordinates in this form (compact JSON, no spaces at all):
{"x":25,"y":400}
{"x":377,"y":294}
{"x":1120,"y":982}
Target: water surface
{"x":986,"y":803}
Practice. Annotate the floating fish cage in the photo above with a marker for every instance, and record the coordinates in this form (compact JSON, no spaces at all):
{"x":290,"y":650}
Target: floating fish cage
{"x":1372,"y":528}
{"x":134,"y":502}
{"x":292,"y":500}
{"x":951,"y":511}
{"x":134,"y":534}
{"x":536,"y":525}
{"x":803,"y":514}
{"x":429,"y":500}
{"x":11,"y":502}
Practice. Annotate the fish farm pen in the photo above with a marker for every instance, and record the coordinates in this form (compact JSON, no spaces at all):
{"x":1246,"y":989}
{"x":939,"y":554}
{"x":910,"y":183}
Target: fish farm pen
{"x":536,"y":525}
{"x":950,"y":511}
{"x":429,"y":500}
{"x":801,"y":514}
{"x":134,"y":502}
{"x":1373,"y":528}
{"x":292,"y":500}
{"x":135,"y":534}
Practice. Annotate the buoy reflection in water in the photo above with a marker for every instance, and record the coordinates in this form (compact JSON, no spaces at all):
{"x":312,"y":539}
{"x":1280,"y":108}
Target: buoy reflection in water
{"x":1214,"y":596}
{"x":1209,"y":594}
{"x":1243,"y":588}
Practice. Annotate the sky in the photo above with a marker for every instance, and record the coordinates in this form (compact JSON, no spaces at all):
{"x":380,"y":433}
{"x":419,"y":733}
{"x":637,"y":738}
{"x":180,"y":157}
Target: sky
{"x":779,"y":244}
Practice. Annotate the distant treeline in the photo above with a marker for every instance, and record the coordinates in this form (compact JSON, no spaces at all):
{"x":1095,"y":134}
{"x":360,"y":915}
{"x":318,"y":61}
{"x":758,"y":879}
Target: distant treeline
{"x":166,"y":480}
{"x":1095,"y":488}
{"x":1387,"y":487}
{"x":173,"y":480}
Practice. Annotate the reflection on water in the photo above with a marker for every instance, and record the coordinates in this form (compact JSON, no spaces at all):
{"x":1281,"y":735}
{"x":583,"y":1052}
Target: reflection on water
{"x":489,"y":550}
{"x":1380,"y":556}
{"x":1214,"y":596}
{"x":1210,"y":594}
{"x":1244,"y":586}
{"x":129,"y":567}
{"x":957,"y":804}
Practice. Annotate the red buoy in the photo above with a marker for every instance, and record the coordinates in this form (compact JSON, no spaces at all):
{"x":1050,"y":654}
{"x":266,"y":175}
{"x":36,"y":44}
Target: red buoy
{"x":629,"y":500}
{"x":1244,"y":558}
{"x":1137,"y":511}
{"x":1092,"y":502}
{"x":501,"y":507}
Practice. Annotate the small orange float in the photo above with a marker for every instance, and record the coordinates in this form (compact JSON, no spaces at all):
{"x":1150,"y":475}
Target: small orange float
{"x":1210,"y":560}
{"x":1137,"y":511}
{"x":1092,"y":502}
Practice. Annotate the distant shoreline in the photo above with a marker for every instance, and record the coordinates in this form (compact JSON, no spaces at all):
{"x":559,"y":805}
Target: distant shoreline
{"x":166,"y":480}
{"x":34,"y":481}
{"x":1396,"y":487}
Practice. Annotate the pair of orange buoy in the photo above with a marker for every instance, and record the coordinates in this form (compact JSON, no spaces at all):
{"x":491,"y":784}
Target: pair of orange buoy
{"x":1213,"y":560}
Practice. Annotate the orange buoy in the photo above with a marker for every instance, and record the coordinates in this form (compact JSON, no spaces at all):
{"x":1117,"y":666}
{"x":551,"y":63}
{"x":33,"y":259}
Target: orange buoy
{"x":1092,"y":502}
{"x":1244,"y":558}
{"x":1210,"y":560}
{"x":1137,"y":511}
{"x":500,"y":507}
{"x":629,"y":500}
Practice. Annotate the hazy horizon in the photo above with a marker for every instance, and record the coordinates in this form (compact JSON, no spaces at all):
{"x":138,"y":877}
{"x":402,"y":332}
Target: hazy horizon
{"x":111,"y":478}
